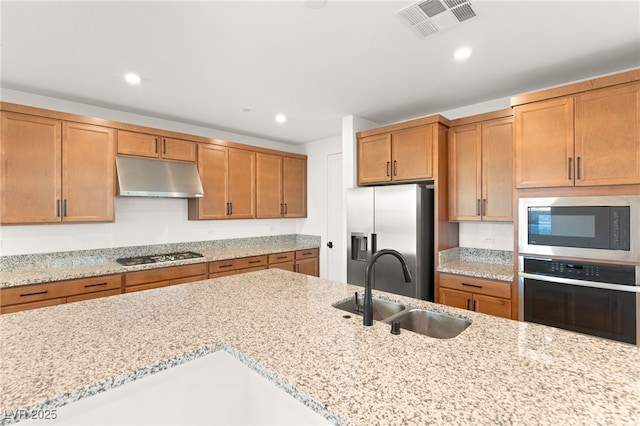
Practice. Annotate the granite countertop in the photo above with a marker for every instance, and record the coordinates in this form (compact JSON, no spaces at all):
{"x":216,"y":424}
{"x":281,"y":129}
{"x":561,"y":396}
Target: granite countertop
{"x":481,"y":263}
{"x":47,"y":267}
{"x":282,"y":325}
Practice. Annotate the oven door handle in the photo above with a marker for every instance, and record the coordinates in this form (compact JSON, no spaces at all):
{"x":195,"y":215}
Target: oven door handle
{"x":582,"y":283}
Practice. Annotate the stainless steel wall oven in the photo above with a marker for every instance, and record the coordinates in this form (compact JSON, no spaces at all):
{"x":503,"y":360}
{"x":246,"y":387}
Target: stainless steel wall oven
{"x":579,"y":264}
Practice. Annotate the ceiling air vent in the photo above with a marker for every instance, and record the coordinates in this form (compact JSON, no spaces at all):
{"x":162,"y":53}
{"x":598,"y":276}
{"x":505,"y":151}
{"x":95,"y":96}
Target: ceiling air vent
{"x":429,"y":17}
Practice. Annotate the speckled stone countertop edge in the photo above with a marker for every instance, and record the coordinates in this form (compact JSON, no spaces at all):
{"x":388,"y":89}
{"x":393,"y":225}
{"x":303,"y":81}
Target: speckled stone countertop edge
{"x":114,"y":382}
{"x":34,"y":273}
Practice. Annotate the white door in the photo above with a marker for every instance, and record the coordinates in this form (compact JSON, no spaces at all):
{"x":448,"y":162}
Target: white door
{"x":336,"y":221}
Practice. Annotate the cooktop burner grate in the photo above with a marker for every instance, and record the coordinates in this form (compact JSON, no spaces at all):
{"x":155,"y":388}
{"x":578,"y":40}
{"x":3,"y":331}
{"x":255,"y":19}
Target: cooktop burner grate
{"x":157,"y":258}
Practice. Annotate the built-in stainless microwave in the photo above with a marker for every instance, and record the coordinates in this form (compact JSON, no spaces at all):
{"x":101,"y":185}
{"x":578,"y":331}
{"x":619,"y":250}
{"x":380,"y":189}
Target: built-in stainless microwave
{"x":600,"y":228}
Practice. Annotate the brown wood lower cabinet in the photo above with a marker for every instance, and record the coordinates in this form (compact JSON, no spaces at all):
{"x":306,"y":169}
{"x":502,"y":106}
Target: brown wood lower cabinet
{"x":303,"y":261}
{"x":33,"y":296}
{"x":475,"y":294}
{"x":161,"y":277}
{"x":14,"y":299}
{"x":223,"y":268}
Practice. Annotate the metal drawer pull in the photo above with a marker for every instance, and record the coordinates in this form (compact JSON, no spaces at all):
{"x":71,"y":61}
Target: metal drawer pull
{"x":468,"y":302}
{"x":226,"y":266}
{"x":254,"y":261}
{"x":281,"y":257}
{"x":307,"y":253}
{"x":472,"y":285}
{"x":94,"y":285}
{"x":474,"y":305}
{"x":34,"y":294}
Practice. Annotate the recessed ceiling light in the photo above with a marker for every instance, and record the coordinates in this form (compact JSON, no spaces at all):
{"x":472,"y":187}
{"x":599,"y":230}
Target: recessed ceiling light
{"x":281,"y":118}
{"x":132,"y":78}
{"x":462,"y":54}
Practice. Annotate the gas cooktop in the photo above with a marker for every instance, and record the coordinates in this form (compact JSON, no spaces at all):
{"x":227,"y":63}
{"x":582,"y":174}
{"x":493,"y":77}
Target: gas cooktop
{"x":157,"y":258}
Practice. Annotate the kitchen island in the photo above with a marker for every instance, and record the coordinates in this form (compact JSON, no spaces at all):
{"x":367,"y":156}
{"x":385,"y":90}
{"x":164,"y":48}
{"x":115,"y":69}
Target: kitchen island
{"x":282,"y":325}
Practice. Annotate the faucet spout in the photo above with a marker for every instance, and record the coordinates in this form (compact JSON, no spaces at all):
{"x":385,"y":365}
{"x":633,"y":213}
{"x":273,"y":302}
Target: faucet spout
{"x":368,"y":299}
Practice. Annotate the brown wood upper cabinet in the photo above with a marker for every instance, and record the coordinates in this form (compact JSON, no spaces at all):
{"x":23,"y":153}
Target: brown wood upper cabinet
{"x":228,"y":178}
{"x":281,"y":186}
{"x":152,"y":146}
{"x":588,"y":139}
{"x":55,"y":171}
{"x":400,"y":155}
{"x":481,"y":163}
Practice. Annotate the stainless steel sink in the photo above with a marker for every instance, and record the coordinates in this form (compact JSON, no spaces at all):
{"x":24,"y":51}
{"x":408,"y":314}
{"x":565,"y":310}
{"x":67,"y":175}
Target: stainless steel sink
{"x":382,"y":309}
{"x":430,"y":323}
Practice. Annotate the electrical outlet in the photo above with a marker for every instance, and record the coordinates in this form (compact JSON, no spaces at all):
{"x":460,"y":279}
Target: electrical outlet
{"x":488,"y":239}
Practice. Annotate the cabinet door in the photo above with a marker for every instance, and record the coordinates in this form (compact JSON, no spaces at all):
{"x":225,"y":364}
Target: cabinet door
{"x":465,"y":172}
{"x":455,"y":298}
{"x":308,"y":266}
{"x":544,"y":144}
{"x":492,"y":305}
{"x":212,"y":167}
{"x":294,"y":184}
{"x":242,"y":183}
{"x":497,"y":170}
{"x":287,"y":266}
{"x":268,"y":185}
{"x":374,"y":159}
{"x":608,"y":136}
{"x":30,"y":169}
{"x":412,"y":153}
{"x":88,"y":178}
{"x":138,"y":144}
{"x":177,"y":149}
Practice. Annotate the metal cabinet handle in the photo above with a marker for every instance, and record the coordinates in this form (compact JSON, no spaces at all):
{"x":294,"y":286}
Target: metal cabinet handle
{"x":94,"y":285}
{"x":57,"y":208}
{"x":395,"y":167}
{"x":484,"y":207}
{"x":34,"y":294}
{"x":64,"y":208}
{"x":569,"y":161}
{"x":388,"y":164}
{"x":164,"y":146}
{"x":156,"y":139}
{"x":468,"y":303}
{"x":578,"y":168}
{"x":474,"y":305}
{"x":285,"y":208}
{"x":472,"y":285}
{"x":477,"y":206}
{"x":230,"y":209}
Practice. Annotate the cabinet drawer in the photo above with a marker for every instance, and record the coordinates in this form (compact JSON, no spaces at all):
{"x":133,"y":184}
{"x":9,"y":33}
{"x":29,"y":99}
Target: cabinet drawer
{"x":164,"y":274}
{"x":306,"y":254}
{"x":282,"y":257}
{"x":234,"y":264}
{"x":32,"y":293}
{"x":476,"y":285}
{"x":94,"y":284}
{"x":147,"y":286}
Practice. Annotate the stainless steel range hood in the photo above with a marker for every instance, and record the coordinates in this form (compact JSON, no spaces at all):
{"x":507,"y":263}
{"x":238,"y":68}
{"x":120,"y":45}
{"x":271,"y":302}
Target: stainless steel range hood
{"x":141,"y":177}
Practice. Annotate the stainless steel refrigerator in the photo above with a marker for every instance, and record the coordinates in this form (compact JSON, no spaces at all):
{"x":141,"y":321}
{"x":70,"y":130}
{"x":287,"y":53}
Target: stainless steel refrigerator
{"x":398,"y":217}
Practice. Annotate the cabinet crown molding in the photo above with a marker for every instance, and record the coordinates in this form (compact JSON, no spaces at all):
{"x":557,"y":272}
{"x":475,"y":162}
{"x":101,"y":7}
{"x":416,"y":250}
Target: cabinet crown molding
{"x":579,"y":87}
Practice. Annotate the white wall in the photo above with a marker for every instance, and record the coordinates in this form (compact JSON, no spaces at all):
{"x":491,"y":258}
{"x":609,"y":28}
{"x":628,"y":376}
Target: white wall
{"x":139,"y":221}
{"x":316,"y":221}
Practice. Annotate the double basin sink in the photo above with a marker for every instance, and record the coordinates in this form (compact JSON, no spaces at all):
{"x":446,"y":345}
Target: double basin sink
{"x":421,"y":321}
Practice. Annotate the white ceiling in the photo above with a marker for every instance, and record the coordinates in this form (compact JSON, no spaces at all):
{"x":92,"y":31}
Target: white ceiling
{"x":203,"y":62}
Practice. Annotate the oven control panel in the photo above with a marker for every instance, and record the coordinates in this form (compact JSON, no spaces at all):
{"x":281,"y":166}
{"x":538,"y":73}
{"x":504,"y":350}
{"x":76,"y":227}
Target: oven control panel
{"x":587,"y":271}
